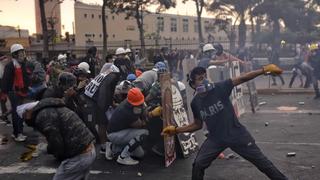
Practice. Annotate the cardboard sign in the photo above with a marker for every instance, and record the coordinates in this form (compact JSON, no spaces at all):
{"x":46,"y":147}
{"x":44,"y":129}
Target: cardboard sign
{"x":187,"y":141}
{"x":167,"y":117}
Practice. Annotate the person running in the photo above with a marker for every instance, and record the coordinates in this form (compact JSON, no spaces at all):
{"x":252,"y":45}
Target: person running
{"x":212,"y":105}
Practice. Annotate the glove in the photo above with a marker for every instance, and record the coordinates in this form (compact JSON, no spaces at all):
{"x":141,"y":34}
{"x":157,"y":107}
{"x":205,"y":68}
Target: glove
{"x":156,"y":112}
{"x":169,"y":130}
{"x":271,"y":69}
{"x":26,"y":156}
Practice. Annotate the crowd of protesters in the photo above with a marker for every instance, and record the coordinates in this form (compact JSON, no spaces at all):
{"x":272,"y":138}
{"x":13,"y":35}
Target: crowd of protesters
{"x":117,"y":108}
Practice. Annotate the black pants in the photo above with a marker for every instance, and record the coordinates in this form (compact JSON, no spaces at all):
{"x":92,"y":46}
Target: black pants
{"x":17,"y":122}
{"x":210,"y":150}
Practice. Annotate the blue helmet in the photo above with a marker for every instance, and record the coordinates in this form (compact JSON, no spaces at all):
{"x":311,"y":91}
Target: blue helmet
{"x":160,"y":67}
{"x":131,"y":77}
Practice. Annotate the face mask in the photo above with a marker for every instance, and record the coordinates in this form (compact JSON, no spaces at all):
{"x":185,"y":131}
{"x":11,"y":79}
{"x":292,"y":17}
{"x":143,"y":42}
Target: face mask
{"x":137,"y":110}
{"x":204,"y":86}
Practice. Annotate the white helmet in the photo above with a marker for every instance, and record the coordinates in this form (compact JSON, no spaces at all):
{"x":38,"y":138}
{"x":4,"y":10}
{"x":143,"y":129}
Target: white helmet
{"x":15,"y":48}
{"x":85,"y":66}
{"x":120,"y":50}
{"x":181,"y":86}
{"x":62,"y":57}
{"x":208,"y":47}
{"x":128,"y":50}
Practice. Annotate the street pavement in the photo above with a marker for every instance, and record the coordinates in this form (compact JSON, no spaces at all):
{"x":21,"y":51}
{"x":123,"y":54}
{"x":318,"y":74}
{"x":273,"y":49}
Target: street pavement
{"x":287,"y":131}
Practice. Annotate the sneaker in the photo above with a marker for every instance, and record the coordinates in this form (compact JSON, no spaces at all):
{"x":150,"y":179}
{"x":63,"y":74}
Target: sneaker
{"x":102,"y":150}
{"x":19,"y":138}
{"x":127,"y":161}
{"x":108,"y":151}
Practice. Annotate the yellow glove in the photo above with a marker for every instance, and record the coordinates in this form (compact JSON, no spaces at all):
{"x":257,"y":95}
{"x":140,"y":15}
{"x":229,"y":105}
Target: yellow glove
{"x":272,"y":69}
{"x":26,"y":156}
{"x":156,"y":112}
{"x":169,"y":130}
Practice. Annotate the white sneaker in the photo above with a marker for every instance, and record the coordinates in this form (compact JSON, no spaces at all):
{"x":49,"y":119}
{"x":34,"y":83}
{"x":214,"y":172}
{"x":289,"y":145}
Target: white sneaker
{"x":20,"y":138}
{"x":108,"y":153}
{"x":127,"y":161}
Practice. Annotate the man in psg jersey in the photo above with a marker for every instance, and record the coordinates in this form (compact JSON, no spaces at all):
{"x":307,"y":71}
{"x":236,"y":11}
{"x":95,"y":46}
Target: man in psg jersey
{"x":212,"y":105}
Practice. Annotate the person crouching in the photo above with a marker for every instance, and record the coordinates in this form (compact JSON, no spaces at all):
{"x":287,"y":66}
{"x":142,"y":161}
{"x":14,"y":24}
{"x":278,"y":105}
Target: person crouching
{"x":69,"y":140}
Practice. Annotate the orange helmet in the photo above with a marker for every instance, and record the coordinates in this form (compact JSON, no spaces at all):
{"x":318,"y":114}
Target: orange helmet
{"x":135,"y":97}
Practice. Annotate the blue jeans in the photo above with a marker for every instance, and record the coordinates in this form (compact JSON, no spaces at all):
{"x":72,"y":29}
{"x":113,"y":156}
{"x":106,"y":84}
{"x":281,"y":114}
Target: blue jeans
{"x":17,"y":122}
{"x":128,"y":138}
{"x":246,"y":148}
{"x":76,"y":168}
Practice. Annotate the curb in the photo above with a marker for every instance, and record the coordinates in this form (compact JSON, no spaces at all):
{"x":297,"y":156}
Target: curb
{"x":281,"y":91}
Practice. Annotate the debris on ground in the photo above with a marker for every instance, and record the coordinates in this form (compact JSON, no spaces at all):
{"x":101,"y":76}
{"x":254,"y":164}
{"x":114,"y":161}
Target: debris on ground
{"x":4,"y":141}
{"x":291,"y":154}
{"x":139,"y":174}
{"x":221,"y":156}
{"x":266,"y":124}
{"x":262,"y":103}
{"x":301,"y":103}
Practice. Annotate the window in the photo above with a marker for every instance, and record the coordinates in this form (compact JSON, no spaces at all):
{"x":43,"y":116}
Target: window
{"x":195,"y":25}
{"x":160,"y":24}
{"x":173,"y":25}
{"x":130,"y":28}
{"x":99,"y":16}
{"x":92,"y":16}
{"x":113,"y":36}
{"x":112,"y":17}
{"x":100,"y":35}
{"x":185,"y":23}
{"x":106,"y":17}
{"x":85,"y":15}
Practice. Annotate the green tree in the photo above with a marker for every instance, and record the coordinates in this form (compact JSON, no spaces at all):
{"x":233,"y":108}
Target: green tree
{"x":104,"y":30}
{"x":137,"y":9}
{"x":240,"y":10}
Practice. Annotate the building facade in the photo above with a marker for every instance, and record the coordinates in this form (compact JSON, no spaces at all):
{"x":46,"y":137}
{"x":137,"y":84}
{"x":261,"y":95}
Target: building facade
{"x":53,"y":15}
{"x":10,"y":35}
{"x":176,"y":31}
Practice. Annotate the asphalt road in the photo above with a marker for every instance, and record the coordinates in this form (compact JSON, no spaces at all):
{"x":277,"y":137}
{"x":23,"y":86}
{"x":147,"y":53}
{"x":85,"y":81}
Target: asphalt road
{"x":294,"y":131}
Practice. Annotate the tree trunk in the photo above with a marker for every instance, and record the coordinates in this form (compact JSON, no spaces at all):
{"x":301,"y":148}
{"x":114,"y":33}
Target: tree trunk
{"x":276,"y":35}
{"x":232,"y":39}
{"x":45,"y":53}
{"x":104,"y":30}
{"x":242,"y":32}
{"x":139,"y":18}
{"x":199,"y":12}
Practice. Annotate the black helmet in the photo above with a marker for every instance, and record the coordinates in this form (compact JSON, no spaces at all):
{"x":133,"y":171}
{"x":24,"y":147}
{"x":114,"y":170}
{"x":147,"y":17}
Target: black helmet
{"x":219,"y":49}
{"x":67,"y":80}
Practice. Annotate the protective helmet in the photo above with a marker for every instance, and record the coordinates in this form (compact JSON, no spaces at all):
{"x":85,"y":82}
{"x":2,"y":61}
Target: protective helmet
{"x":135,"y":97}
{"x":208,"y":47}
{"x":219,"y":49}
{"x":16,"y":47}
{"x":67,"y":80}
{"x":61,"y":57}
{"x":131,"y":77}
{"x":313,"y":47}
{"x":120,"y":50}
{"x":79,"y":71}
{"x":181,"y":86}
{"x":160,"y":67}
{"x":128,"y":50}
{"x":85,"y":66}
